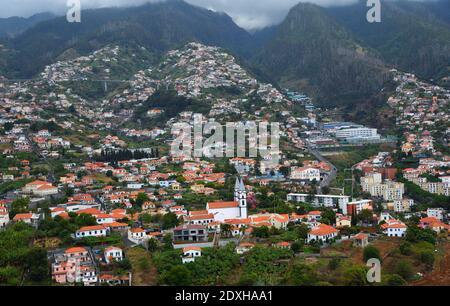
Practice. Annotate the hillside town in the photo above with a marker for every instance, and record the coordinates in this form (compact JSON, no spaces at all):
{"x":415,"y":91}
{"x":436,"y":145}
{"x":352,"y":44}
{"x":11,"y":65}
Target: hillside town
{"x":89,"y":185}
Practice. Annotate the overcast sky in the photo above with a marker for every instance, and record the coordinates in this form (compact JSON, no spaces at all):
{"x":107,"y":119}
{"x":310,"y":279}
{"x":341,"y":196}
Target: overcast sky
{"x":249,"y":14}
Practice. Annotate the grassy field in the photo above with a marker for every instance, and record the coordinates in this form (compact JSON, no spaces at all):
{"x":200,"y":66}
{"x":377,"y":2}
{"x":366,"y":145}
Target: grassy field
{"x":144,"y":272}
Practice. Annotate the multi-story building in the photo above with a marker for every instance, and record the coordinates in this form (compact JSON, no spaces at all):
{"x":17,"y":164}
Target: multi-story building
{"x":437,"y":213}
{"x":336,"y":201}
{"x":305,"y":174}
{"x":74,"y":265}
{"x":357,"y":133}
{"x":388,"y":190}
{"x":403,"y":205}
{"x":190,"y":233}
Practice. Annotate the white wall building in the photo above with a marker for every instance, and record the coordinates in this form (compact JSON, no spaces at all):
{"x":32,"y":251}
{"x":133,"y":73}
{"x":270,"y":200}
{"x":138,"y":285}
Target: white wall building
{"x":437,"y":213}
{"x":113,"y":254}
{"x":336,"y":201}
{"x":230,"y":209}
{"x":305,"y":174}
{"x":190,"y":253}
{"x":91,"y":231}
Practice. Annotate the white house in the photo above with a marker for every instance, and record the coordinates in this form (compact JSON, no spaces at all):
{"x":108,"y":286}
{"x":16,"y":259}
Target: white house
{"x":91,"y":231}
{"x":104,"y":218}
{"x":113,"y":254}
{"x":189,"y":254}
{"x":394,"y":228}
{"x":4,"y":219}
{"x":200,"y":219}
{"x":244,"y":247}
{"x":437,"y":213}
{"x":305,"y":174}
{"x":322,"y":232}
{"x":40,"y":188}
{"x":29,"y":218}
{"x":137,"y":235}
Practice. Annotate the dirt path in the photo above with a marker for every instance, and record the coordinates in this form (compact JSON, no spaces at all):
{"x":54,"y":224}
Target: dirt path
{"x":440,"y":276}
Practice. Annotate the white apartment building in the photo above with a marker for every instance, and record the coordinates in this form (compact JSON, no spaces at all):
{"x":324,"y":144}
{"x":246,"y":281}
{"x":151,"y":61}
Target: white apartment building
{"x":403,"y":205}
{"x":388,"y":190}
{"x":437,"y":213}
{"x":336,"y":201}
{"x":360,"y":132}
{"x":305,"y":174}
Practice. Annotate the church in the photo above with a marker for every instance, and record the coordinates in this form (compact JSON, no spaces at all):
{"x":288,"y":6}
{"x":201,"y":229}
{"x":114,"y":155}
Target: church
{"x":236,"y":209}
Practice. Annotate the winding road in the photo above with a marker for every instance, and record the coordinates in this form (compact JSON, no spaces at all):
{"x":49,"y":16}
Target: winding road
{"x":329,"y":178}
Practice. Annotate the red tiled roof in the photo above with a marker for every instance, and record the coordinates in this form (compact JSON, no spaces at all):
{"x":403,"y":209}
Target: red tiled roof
{"x":92,"y":228}
{"x":322,"y":230}
{"x":218,"y":205}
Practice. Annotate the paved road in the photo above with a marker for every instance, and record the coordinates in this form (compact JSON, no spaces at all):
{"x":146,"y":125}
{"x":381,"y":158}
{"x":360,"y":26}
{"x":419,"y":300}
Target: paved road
{"x":329,"y":178}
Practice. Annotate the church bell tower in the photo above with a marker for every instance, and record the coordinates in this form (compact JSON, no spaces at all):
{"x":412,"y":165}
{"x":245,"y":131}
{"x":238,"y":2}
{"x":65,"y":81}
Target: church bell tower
{"x":240,"y":196}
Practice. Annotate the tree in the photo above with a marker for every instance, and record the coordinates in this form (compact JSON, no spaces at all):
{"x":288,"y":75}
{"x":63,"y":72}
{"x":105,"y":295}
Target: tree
{"x":334,"y":263}
{"x":226,"y":229}
{"x":427,"y":257}
{"x":416,"y":234}
{"x":170,"y":220}
{"x":366,"y":216}
{"x":395,"y":280}
{"x":152,"y":245}
{"x":261,"y":232}
{"x":371,"y":252}
{"x":405,"y":248}
{"x":302,"y":230}
{"x":178,"y":275}
{"x":19,"y":206}
{"x":145,"y":218}
{"x":328,"y":216}
{"x":36,"y":264}
{"x":297,"y":246}
{"x":302,"y":275}
{"x":404,"y":269}
{"x":141,"y":199}
{"x":355,"y":276}
{"x":85,"y":220}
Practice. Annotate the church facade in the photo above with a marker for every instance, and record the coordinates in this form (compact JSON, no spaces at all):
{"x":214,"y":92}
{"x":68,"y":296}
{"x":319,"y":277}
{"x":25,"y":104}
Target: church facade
{"x":236,"y":209}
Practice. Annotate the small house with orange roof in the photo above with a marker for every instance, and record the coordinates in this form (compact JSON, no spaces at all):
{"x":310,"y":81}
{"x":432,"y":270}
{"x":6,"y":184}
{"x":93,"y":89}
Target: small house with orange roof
{"x":112,"y":254}
{"x":244,"y":247}
{"x":91,"y":231}
{"x":137,"y":235}
{"x":28,"y":218}
{"x":322,"y":232}
{"x":190,"y":253}
{"x":361,"y":240}
{"x":394,"y":228}
{"x":283,"y":245}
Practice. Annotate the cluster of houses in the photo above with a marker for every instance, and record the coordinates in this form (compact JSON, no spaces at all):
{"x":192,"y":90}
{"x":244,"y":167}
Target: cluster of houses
{"x":81,"y":265}
{"x":433,"y":168}
{"x":418,"y":104}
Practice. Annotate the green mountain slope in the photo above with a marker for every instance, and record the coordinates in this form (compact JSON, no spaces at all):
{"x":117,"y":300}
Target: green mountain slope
{"x":312,"y":52}
{"x":15,"y":25}
{"x":411,"y":36}
{"x":158,"y":27}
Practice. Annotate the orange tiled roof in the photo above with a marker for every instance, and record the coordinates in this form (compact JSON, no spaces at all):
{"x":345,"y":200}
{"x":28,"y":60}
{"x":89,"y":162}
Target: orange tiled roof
{"x":322,"y":230}
{"x":218,"y":205}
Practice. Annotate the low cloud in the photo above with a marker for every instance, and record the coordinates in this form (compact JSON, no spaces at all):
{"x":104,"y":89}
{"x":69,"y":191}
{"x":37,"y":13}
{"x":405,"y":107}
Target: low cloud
{"x":249,"y":14}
